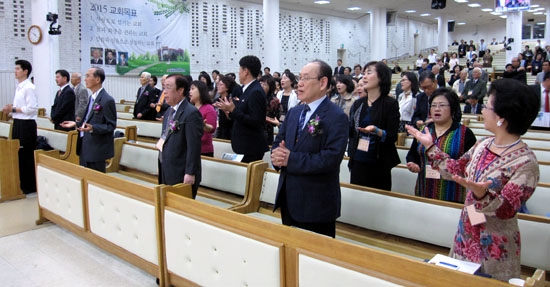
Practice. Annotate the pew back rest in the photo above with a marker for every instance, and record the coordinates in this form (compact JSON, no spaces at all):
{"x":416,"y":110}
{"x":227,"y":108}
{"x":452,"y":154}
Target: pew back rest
{"x":544,"y":171}
{"x":142,"y":158}
{"x":193,"y":246}
{"x":403,"y":181}
{"x":144,"y":128}
{"x":56,"y":139}
{"x":43,"y":122}
{"x":224,"y":175}
{"x":5,"y":129}
{"x":221,"y":146}
{"x":345,"y":175}
{"x":539,"y":202}
{"x":535,"y":243}
{"x":399,"y":215}
{"x":269,"y":186}
{"x":123,"y":115}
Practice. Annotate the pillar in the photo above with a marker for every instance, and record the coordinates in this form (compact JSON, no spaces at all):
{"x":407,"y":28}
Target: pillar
{"x":513,"y":30}
{"x":443,"y":34}
{"x":272,"y":51}
{"x":378,"y":34}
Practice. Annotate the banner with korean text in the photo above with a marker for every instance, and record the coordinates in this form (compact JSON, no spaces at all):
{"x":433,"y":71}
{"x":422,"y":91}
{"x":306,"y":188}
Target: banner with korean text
{"x":127,"y":37}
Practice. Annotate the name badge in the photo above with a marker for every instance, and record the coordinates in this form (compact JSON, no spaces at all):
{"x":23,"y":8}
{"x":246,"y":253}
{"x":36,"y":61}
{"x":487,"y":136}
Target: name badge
{"x":282,"y":118}
{"x":432,"y":173}
{"x":364,"y":144}
{"x":160,"y":144}
{"x":474,"y":216}
{"x":470,"y":93}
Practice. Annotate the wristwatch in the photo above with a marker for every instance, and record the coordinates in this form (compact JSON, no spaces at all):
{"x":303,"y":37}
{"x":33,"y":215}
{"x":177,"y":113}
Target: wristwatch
{"x":14,"y":110}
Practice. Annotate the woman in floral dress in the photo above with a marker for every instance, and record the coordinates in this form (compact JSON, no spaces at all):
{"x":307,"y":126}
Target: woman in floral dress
{"x":500,"y":173}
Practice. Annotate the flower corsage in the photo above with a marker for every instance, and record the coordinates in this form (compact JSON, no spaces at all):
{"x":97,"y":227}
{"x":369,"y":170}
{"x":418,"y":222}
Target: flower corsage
{"x":96,"y":108}
{"x":314,"y":126}
{"x":174,"y":126}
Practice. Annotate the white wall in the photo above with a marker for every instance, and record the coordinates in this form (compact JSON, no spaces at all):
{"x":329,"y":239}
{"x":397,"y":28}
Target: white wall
{"x":488,"y":32}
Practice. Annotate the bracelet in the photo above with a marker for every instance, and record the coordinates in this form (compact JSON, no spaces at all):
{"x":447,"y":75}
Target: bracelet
{"x":376,"y":130}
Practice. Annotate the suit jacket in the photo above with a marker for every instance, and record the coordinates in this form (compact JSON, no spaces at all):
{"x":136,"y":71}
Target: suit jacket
{"x":440,"y":78}
{"x":468,"y":109}
{"x":181,"y":152}
{"x":339,"y":70}
{"x":516,"y":75}
{"x":312,"y":178}
{"x":422,"y":110}
{"x":63,"y":108}
{"x":478,"y":90}
{"x":110,"y":62}
{"x":143,"y":102}
{"x":99,"y":61}
{"x":99,"y":144}
{"x":248,"y":134}
{"x":81,"y":100}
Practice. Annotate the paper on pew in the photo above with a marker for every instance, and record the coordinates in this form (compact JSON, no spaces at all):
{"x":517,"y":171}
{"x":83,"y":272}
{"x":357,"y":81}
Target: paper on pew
{"x":233,"y":156}
{"x":455,"y":264}
{"x":542,"y":120}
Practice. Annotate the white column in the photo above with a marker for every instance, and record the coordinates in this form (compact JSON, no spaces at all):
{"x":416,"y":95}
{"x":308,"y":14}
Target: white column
{"x":378,"y":34}
{"x":513,"y":30}
{"x":443,"y":34}
{"x":45,"y":55}
{"x":272,"y":47}
{"x":547,"y":28}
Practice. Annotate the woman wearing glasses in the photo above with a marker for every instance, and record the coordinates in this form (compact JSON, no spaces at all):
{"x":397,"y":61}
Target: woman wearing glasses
{"x":451,"y":137}
{"x":500,"y":174}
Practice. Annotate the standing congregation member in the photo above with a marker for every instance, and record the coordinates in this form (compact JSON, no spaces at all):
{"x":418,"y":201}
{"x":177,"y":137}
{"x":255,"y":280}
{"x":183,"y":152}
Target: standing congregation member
{"x":407,"y":99}
{"x":500,"y":174}
{"x":287,"y":96}
{"x":96,"y":142}
{"x":161,"y":105}
{"x":226,"y":86}
{"x":144,"y":98}
{"x":308,"y":151}
{"x":421,"y":115}
{"x":451,"y":137}
{"x":200,"y":98}
{"x":372,"y":130}
{"x":248,"y":112}
{"x":24,"y":111}
{"x":81,"y":96}
{"x":63,"y":105}
{"x":180,"y":142}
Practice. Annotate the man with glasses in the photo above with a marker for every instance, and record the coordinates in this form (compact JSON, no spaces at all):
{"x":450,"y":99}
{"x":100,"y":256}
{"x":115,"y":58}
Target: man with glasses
{"x":476,"y":87}
{"x":308,"y":151}
{"x":428,"y":84}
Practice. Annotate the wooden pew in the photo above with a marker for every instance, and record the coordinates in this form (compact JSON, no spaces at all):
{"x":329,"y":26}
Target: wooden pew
{"x":208,"y":246}
{"x":43,"y":122}
{"x":10,"y":188}
{"x":147,"y":131}
{"x":118,"y":216}
{"x":63,"y":143}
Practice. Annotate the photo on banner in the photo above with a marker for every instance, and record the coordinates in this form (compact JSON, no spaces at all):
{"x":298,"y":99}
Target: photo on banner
{"x":131,"y":36}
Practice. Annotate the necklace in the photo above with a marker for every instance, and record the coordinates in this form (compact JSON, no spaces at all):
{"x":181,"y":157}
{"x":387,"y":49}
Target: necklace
{"x":505,"y":145}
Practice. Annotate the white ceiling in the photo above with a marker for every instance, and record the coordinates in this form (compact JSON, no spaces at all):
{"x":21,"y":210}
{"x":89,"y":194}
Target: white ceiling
{"x":459,"y":12}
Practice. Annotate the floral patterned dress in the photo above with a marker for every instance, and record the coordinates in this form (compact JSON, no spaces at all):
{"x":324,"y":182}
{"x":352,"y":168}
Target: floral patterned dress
{"x":496,"y":243}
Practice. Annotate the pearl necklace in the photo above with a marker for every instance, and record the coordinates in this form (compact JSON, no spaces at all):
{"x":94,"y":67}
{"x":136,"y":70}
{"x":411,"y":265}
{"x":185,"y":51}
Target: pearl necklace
{"x":505,"y":145}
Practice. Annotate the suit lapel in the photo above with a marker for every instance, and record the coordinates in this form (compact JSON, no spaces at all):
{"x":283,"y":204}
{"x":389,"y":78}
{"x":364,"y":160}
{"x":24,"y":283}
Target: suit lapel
{"x":96,"y":102}
{"x":303,"y":134}
{"x":177,"y":116}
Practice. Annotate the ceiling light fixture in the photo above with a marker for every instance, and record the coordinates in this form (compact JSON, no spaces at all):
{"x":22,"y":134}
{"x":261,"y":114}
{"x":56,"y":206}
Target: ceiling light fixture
{"x":355,"y":8}
{"x":461,"y":23}
{"x":410,"y":11}
{"x":486,"y":9}
{"x":321,"y":2}
{"x":474,"y":5}
{"x":461,"y":1}
{"x":424,"y":15}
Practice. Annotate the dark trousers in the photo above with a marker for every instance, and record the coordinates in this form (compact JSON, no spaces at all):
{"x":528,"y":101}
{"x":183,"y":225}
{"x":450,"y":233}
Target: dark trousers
{"x":25,"y":132}
{"x":325,"y":228}
{"x":370,"y":175}
{"x":95,"y":165}
{"x":252,"y":157}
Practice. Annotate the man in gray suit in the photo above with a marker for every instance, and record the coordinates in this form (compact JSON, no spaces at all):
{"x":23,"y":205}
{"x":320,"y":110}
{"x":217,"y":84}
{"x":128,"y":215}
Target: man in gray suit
{"x":180,"y":142}
{"x":81,"y":93}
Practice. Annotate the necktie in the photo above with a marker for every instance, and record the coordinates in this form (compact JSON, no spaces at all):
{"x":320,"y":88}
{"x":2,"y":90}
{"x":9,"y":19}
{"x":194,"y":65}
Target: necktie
{"x":168,"y":125}
{"x":161,"y":101}
{"x":547,"y":104}
{"x":59,"y":92}
{"x":302,"y":119}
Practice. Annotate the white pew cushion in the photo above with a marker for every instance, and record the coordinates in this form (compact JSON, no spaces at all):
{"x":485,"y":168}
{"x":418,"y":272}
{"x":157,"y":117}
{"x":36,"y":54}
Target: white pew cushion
{"x":539,"y":202}
{"x":224,"y":176}
{"x":142,"y":159}
{"x":126,"y":222}
{"x":5,"y":130}
{"x":60,"y":194}
{"x":211,"y":256}
{"x":403,"y":181}
{"x":57,"y":140}
{"x":269,"y":187}
{"x":535,"y":244}
{"x":315,"y":273}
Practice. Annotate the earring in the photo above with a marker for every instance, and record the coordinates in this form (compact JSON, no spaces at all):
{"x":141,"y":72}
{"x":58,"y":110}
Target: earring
{"x":499,"y":123}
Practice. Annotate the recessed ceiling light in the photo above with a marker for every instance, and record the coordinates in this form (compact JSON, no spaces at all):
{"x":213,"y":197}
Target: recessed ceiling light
{"x":461,"y":23}
{"x":355,"y":8}
{"x":461,"y":1}
{"x":534,"y":6}
{"x":537,"y":13}
{"x":541,"y":23}
{"x":486,"y":9}
{"x":410,"y":11}
{"x":473,"y":5}
{"x":321,"y":2}
{"x":496,"y":13}
{"x":425,"y":14}
{"x":503,"y":16}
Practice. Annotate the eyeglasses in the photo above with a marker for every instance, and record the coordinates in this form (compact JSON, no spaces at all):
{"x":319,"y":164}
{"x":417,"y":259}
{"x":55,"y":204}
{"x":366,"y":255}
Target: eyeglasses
{"x":303,"y":79}
{"x":404,"y":80}
{"x":486,"y":107}
{"x":439,"y":106}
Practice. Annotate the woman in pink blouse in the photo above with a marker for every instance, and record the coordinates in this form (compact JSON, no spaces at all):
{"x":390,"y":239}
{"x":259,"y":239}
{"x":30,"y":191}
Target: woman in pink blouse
{"x":500,"y":174}
{"x":198,"y":96}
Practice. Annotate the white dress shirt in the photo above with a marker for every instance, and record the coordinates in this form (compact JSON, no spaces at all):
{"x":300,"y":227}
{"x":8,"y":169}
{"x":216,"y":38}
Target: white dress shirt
{"x":26,"y":100}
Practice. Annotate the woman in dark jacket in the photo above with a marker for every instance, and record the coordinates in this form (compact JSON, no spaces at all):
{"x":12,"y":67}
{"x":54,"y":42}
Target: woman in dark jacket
{"x":374,"y":121}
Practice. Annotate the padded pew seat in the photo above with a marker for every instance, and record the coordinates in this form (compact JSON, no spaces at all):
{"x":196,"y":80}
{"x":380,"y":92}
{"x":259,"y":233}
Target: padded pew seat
{"x":5,"y":130}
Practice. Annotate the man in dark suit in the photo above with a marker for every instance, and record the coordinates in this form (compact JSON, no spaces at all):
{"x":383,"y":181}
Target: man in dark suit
{"x":472,"y":106}
{"x":439,"y":76}
{"x":543,"y":92}
{"x":462,"y":49}
{"x":110,"y":59}
{"x":339,"y":69}
{"x":96,"y":142}
{"x":421,"y":112}
{"x":180,"y":143}
{"x":248,"y":112}
{"x":517,"y":73}
{"x":63,"y":105}
{"x":96,"y":57}
{"x":308,"y":151}
{"x":161,"y":106}
{"x":475,"y":87}
{"x":144,"y":98}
